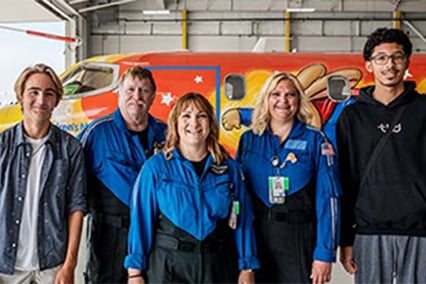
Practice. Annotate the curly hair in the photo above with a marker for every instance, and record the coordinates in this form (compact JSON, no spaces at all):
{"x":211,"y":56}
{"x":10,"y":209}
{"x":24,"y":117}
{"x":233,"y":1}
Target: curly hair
{"x":261,"y":115}
{"x":38,"y":69}
{"x":386,"y":35}
{"x":212,"y":141}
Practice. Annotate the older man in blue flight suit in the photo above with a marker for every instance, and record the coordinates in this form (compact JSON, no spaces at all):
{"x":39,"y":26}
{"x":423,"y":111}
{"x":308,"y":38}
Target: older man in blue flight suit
{"x":116,"y":146}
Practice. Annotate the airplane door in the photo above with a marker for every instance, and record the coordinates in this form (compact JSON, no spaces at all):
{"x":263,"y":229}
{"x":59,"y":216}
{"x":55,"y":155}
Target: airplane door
{"x":175,"y":81}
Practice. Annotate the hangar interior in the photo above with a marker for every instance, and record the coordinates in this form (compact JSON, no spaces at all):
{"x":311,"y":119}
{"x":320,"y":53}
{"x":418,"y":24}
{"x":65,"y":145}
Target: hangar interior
{"x":100,"y":27}
{"x":124,"y":26}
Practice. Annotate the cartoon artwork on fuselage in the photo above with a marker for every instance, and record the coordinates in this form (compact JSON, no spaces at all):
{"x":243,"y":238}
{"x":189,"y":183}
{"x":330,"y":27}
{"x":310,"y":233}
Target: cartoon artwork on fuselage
{"x":313,"y":79}
{"x":230,"y":81}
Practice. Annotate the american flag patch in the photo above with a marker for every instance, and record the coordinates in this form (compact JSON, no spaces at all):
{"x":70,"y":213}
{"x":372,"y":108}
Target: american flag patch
{"x":327,"y":149}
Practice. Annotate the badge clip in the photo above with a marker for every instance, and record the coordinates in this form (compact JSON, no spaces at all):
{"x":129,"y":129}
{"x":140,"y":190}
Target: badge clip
{"x":235,"y":211}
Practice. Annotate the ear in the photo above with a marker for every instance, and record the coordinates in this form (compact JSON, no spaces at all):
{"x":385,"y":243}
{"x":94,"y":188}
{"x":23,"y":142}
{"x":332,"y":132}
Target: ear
{"x":19,"y":98}
{"x":369,"y":66}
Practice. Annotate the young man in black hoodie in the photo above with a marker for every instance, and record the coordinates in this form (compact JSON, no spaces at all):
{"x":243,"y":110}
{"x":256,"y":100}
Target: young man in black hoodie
{"x":382,"y":150}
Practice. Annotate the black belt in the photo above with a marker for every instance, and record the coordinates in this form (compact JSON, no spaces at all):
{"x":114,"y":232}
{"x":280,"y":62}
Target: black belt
{"x":120,"y":222}
{"x":291,"y":217}
{"x":170,"y":242}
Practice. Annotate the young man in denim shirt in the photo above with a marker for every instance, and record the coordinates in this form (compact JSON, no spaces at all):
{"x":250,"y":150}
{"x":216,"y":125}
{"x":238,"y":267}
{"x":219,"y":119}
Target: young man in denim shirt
{"x":42,"y":188}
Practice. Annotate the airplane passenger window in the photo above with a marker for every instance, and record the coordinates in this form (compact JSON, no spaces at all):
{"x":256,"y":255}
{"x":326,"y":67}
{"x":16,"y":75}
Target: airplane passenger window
{"x":90,"y":78}
{"x":338,"y":88}
{"x":235,"y":86}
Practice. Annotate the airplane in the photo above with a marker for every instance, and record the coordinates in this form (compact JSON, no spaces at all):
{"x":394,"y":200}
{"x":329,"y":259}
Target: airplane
{"x":229,"y":80}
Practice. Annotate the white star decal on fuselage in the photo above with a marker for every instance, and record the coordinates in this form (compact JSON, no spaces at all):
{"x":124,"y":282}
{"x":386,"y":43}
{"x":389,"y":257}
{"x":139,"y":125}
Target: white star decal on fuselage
{"x":166,"y":98}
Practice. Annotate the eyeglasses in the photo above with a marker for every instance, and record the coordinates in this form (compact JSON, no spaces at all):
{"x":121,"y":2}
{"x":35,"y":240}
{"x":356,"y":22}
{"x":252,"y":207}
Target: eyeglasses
{"x":382,"y":58}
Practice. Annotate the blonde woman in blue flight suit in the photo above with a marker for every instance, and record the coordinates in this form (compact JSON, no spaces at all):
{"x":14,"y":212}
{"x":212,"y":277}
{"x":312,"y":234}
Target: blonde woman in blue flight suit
{"x":291,"y":173}
{"x":191,"y":217}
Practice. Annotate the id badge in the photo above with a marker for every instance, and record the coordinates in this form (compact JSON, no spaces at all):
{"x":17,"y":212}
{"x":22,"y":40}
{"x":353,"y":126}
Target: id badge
{"x":235,"y":211}
{"x":277,"y":189}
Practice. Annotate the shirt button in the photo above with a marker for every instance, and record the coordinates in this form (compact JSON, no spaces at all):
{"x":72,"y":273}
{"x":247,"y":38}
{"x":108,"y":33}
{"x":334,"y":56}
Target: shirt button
{"x":28,"y":154}
{"x":14,"y":245}
{"x":17,"y":221}
{"x":20,"y":198}
{"x":23,"y":176}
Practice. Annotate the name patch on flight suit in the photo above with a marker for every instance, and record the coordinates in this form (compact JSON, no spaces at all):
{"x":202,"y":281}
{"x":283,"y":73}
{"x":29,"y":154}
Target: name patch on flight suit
{"x":295,"y":144}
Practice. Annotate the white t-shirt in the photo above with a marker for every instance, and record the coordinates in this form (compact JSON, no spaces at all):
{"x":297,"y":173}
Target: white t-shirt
{"x":27,"y":254}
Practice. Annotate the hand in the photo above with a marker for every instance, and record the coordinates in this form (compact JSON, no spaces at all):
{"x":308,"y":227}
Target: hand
{"x":321,"y":272}
{"x":65,"y":275}
{"x":231,"y":119}
{"x":246,"y":277}
{"x":346,"y":259}
{"x":136,"y":280}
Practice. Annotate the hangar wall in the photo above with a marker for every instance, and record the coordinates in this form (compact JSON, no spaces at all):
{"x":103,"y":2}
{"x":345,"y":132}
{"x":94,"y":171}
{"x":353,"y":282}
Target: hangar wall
{"x":240,"y":25}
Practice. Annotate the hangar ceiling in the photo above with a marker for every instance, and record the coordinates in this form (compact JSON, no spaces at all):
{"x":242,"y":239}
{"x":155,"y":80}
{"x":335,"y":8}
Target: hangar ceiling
{"x":16,"y":11}
{"x":113,"y":26}
{"x":51,"y":10}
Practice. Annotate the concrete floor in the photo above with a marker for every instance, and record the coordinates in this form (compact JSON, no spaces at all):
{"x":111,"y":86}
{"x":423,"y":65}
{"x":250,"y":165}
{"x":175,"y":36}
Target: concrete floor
{"x":339,"y":275}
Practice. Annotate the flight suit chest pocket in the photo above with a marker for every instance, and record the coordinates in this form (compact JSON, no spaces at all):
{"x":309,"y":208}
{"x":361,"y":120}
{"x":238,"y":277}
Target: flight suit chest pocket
{"x":223,"y":185}
{"x":218,"y":196}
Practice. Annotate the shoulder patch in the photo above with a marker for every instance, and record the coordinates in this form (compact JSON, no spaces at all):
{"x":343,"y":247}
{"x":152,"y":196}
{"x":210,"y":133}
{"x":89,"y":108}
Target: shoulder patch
{"x":327,"y":149}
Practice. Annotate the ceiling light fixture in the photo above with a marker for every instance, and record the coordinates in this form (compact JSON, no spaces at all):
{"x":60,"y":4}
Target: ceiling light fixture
{"x":156,"y":12}
{"x":300,"y":10}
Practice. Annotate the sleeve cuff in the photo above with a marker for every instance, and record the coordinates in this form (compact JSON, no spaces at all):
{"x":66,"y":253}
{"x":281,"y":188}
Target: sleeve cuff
{"x":250,"y":262}
{"x":135,"y":261}
{"x":325,"y":255}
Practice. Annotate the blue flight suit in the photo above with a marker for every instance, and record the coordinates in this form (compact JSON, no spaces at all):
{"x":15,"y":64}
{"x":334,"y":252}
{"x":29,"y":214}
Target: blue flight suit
{"x":114,"y":158}
{"x":194,"y":205}
{"x":308,"y":160}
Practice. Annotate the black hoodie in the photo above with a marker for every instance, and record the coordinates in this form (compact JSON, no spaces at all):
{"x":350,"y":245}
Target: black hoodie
{"x":392,"y":200}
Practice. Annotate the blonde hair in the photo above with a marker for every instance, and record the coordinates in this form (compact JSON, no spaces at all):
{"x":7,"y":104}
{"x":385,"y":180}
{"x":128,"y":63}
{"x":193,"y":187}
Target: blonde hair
{"x":212,"y":141}
{"x":38,"y":69}
{"x":261,"y":116}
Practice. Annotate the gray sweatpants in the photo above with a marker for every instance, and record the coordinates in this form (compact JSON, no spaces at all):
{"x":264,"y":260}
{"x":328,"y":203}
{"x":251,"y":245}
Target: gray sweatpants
{"x":383,"y":259}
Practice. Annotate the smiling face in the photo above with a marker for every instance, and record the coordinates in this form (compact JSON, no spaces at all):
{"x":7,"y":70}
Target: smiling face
{"x":193,"y":127}
{"x":135,"y":99}
{"x":386,"y":65}
{"x":38,"y":99}
{"x":283,"y":102}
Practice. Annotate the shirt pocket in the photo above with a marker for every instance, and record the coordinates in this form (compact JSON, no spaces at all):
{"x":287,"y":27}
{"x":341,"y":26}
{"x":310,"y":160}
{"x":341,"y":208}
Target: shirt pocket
{"x":59,"y":175}
{"x":218,"y":197}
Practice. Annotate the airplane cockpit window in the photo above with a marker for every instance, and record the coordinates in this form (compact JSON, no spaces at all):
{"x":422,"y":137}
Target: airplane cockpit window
{"x":235,"y":86}
{"x":90,"y":78}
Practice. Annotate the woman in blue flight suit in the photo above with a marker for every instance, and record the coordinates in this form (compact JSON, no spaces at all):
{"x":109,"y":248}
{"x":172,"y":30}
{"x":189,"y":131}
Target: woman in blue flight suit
{"x":291,"y":173}
{"x":191,"y":217}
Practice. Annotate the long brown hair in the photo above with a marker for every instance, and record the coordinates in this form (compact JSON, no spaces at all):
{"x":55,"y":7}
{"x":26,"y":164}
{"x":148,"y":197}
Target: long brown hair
{"x":212,"y":141}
